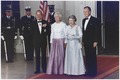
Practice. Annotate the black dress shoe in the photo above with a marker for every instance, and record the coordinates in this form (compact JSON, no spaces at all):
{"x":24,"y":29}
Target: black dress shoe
{"x":36,"y":72}
{"x":29,"y":59}
{"x":44,"y":71}
{"x":92,"y":75}
{"x":83,"y":75}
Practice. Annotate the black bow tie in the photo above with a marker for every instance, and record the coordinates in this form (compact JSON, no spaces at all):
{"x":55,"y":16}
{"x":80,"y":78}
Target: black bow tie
{"x":39,"y":21}
{"x":86,"y":18}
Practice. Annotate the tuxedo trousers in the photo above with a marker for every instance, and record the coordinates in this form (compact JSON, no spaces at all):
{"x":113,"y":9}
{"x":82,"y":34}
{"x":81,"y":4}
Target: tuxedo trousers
{"x":40,"y":47}
{"x":91,"y":59}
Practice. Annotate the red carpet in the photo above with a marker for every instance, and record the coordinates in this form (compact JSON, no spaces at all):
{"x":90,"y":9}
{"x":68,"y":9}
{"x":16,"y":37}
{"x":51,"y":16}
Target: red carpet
{"x":106,"y":66}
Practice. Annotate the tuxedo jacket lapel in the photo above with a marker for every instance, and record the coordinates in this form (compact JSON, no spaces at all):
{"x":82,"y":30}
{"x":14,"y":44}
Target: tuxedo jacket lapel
{"x":89,"y":23}
{"x":83,"y":23}
{"x":38,"y":26}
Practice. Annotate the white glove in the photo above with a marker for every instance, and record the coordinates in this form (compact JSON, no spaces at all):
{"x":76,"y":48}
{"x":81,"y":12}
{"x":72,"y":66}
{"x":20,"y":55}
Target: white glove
{"x":70,"y":37}
{"x":2,"y":38}
{"x":15,"y":37}
{"x":21,"y":37}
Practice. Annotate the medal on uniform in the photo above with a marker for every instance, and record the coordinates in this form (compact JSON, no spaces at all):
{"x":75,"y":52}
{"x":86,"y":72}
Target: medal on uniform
{"x":44,"y":25}
{"x":44,"y":30}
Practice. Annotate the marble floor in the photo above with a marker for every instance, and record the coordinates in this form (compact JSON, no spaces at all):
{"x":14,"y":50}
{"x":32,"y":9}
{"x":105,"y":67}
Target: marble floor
{"x":21,"y":69}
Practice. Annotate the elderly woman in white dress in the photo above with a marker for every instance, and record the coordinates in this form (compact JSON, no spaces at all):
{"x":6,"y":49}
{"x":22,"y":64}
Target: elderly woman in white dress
{"x":74,"y":63}
{"x":56,"y":58}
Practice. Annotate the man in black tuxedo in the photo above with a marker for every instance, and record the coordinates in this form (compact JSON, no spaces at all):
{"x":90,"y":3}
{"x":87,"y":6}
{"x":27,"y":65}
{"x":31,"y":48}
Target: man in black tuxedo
{"x":40,"y":33}
{"x":90,"y":30}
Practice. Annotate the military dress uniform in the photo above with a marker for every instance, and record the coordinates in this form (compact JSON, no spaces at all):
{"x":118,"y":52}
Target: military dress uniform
{"x":52,"y":20}
{"x":26,"y":22}
{"x":51,"y":14}
{"x":8,"y":30}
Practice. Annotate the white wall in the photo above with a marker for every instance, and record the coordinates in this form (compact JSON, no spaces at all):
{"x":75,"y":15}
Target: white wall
{"x":76,"y":8}
{"x":34,"y":6}
{"x":67,"y":8}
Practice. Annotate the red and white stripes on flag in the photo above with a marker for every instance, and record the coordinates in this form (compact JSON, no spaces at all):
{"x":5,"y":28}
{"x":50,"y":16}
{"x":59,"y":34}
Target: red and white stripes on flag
{"x":45,"y":9}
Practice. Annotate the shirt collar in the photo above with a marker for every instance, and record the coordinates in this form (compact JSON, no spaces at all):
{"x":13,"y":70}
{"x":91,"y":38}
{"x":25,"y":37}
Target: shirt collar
{"x":28,"y":16}
{"x":39,"y":20}
{"x":8,"y":16}
{"x":89,"y":17}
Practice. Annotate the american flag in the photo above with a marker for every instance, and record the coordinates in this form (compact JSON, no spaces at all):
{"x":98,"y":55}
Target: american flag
{"x":45,"y":10}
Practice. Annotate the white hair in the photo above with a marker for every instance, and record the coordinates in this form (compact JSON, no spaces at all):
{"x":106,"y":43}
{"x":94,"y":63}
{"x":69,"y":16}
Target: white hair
{"x":58,"y":14}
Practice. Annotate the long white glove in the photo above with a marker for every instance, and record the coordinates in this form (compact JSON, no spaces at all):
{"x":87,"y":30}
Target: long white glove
{"x":21,"y":37}
{"x":2,"y":38}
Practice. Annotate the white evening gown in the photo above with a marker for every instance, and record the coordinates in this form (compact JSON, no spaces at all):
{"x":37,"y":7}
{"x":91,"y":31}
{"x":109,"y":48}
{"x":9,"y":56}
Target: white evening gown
{"x":74,"y":63}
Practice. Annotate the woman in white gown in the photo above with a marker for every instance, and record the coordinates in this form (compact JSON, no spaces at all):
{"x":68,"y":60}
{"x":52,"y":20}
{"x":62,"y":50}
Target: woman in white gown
{"x":74,"y":63}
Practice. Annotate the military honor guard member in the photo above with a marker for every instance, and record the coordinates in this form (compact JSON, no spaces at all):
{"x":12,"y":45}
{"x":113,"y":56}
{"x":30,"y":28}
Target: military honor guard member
{"x":8,"y":29}
{"x":26,"y":29}
{"x":52,"y":20}
{"x":51,"y":14}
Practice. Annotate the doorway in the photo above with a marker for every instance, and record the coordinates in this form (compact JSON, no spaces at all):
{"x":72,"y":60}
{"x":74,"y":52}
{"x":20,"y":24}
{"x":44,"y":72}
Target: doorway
{"x":108,"y":12}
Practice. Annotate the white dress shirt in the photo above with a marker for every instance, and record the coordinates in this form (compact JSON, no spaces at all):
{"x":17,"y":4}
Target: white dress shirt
{"x":28,"y":16}
{"x":58,"y":31}
{"x":40,"y":26}
{"x":8,"y":17}
{"x":86,"y":22}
